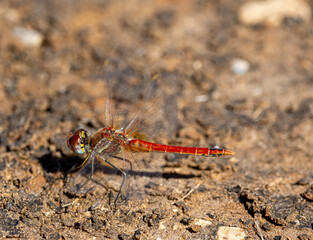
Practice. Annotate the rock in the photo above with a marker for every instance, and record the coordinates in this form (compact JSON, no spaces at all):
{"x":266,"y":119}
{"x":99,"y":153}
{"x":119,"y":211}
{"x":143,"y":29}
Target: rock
{"x":195,"y":228}
{"x":28,"y":37}
{"x":272,"y":12}
{"x":203,"y":223}
{"x":162,"y":226}
{"x":230,"y":233}
{"x":240,"y":66}
{"x":201,"y":98}
{"x":308,"y":194}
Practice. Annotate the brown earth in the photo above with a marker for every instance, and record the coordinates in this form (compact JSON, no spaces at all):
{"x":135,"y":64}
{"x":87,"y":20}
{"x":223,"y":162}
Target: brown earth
{"x":265,"y":116}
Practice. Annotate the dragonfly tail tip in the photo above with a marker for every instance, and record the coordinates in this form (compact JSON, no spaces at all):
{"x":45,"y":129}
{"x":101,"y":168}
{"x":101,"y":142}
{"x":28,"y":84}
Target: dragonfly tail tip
{"x":229,"y":153}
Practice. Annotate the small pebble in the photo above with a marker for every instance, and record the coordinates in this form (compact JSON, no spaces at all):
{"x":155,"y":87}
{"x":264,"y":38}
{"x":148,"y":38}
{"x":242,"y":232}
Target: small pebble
{"x":161,"y":226}
{"x":175,"y":227}
{"x":29,"y":37}
{"x":183,"y":206}
{"x":230,"y":233}
{"x":240,"y":66}
{"x":273,"y":12}
{"x":195,"y":228}
{"x":201,"y":98}
{"x":202,"y":222}
{"x":197,"y":65}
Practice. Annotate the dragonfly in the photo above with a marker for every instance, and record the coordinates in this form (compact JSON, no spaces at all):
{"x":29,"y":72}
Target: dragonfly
{"x":112,"y":141}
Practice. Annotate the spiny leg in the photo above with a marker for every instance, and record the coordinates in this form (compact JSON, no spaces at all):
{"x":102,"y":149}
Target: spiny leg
{"x":91,"y":173}
{"x":80,"y":167}
{"x":126,"y":160}
{"x":74,"y":168}
{"x":130,"y":167}
{"x":124,"y":178}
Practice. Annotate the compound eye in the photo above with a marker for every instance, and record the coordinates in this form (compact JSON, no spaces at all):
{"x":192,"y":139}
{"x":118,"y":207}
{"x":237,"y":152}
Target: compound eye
{"x":76,"y":141}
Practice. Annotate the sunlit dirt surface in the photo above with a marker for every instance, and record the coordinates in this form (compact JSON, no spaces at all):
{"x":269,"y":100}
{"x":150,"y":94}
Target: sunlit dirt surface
{"x":265,"y":116}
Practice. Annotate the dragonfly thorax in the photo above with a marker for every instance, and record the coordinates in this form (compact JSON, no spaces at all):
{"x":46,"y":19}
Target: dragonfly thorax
{"x":108,"y":140}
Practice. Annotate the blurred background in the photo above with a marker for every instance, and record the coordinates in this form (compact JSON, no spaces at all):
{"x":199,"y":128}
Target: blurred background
{"x":237,"y":74}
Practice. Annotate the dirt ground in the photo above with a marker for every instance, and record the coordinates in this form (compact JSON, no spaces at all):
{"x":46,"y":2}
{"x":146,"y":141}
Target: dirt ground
{"x":56,"y":83}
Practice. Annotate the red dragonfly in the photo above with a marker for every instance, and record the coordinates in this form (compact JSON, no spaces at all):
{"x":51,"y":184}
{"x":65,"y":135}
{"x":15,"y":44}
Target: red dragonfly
{"x":111,"y":141}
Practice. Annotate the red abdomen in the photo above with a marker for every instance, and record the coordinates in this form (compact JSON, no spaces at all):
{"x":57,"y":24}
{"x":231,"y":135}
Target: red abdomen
{"x":144,"y":146}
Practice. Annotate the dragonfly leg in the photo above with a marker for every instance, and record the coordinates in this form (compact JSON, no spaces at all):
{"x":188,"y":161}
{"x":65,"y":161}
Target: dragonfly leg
{"x":124,"y":178}
{"x":126,"y":160}
{"x":91,"y":172}
{"x":81,"y":165}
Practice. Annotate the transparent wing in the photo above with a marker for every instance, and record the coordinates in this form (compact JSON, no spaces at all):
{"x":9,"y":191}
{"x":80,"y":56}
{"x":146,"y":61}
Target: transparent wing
{"x":144,"y":116}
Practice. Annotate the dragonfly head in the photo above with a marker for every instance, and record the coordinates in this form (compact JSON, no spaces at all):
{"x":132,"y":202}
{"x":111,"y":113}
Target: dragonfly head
{"x":78,"y":141}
